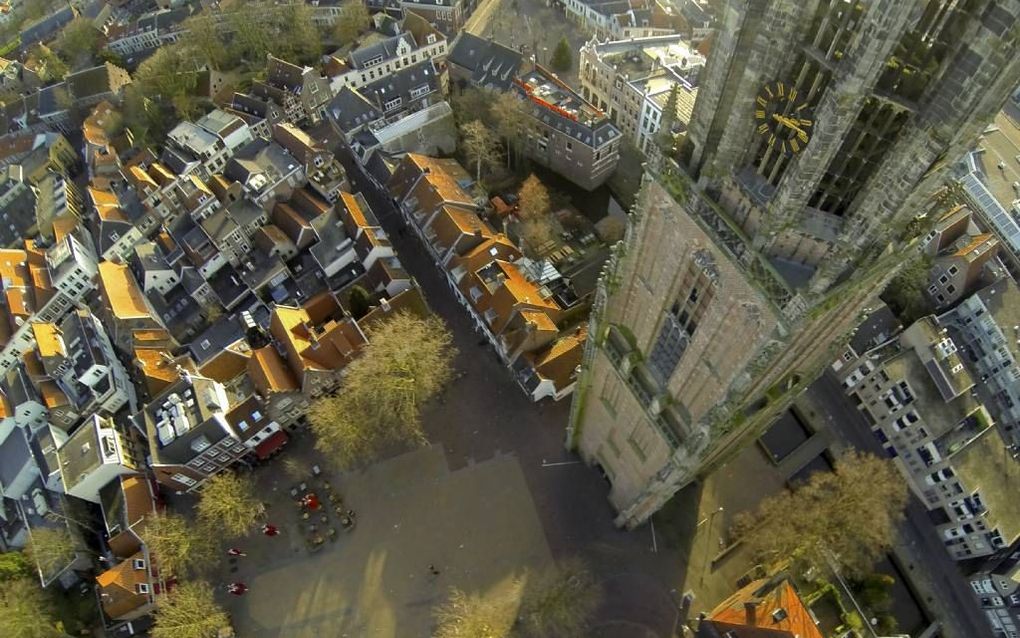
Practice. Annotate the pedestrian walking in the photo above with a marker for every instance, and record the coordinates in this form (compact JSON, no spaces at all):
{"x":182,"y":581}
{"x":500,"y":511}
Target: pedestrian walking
{"x":233,"y":551}
{"x":270,"y":530}
{"x":237,"y":589}
{"x":433,"y":570}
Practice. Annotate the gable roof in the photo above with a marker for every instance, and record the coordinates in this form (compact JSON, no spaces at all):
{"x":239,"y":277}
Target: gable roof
{"x":776,"y":607}
{"x":491,"y":64}
{"x":123,"y":295}
{"x":383,"y":50}
{"x":350,"y":110}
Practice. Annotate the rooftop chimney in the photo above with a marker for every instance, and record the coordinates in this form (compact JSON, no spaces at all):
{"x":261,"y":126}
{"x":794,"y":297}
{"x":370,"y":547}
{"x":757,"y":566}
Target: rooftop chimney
{"x":751,"y":611}
{"x":385,"y":303}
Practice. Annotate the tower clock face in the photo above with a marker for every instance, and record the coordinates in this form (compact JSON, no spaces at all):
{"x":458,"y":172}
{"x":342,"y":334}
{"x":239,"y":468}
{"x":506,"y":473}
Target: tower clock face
{"x":783,"y":117}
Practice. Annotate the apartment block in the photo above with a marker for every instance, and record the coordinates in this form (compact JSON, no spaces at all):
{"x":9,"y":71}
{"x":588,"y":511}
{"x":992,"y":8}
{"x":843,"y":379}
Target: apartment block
{"x":916,"y":393}
{"x":986,"y":326}
{"x":95,"y":454}
{"x":631,"y":80}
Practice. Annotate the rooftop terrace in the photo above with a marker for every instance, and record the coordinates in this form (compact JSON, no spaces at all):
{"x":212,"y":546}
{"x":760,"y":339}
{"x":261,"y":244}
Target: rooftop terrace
{"x":549,"y":92}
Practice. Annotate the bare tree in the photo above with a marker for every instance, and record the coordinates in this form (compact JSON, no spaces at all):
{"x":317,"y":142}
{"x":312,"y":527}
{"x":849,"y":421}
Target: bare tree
{"x":177,"y":545}
{"x":850,"y":514}
{"x":534,"y":202}
{"x":611,"y":229}
{"x":535,"y":212}
{"x":227,"y":502}
{"x":466,"y":615}
{"x":537,"y":236}
{"x":470,"y":104}
{"x":25,"y":610}
{"x":560,"y":600}
{"x":405,"y":364}
{"x":479,"y":146}
{"x":189,"y":611}
{"x":52,"y":549}
{"x":508,"y":113}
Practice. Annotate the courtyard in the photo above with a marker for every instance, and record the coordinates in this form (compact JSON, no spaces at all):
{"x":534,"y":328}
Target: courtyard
{"x":476,"y":526}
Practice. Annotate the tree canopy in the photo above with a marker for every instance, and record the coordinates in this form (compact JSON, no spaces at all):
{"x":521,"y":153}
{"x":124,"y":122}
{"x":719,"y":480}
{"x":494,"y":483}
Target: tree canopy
{"x":822,"y":518}
{"x":177,"y":545}
{"x":227,"y":502}
{"x":907,"y":294}
{"x":353,"y":21}
{"x":26,"y":611}
{"x":189,"y":611}
{"x":406,"y":363}
{"x":465,"y":615}
{"x":562,"y":57}
{"x":560,"y":600}
{"x":78,"y":43}
{"x":51,"y":548}
{"x":536,"y":227}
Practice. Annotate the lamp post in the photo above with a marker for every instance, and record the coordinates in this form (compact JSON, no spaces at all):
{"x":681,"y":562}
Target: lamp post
{"x":710,"y":519}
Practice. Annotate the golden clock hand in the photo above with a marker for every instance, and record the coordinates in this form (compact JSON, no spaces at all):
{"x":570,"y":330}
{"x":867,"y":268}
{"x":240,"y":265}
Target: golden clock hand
{"x":787,"y":122}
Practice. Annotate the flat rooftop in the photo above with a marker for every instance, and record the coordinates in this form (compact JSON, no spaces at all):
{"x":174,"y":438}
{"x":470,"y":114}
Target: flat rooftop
{"x":1001,"y":159}
{"x":640,"y":56}
{"x":558,"y":95}
{"x":986,"y":466}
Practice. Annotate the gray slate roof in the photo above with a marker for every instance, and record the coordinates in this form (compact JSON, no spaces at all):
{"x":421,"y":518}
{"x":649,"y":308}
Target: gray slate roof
{"x":350,"y":110}
{"x":492,"y":64}
{"x":384,"y":49}
{"x":401,"y":83}
{"x":46,"y":28}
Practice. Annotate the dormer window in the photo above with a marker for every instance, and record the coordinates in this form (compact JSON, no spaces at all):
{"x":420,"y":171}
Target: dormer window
{"x":430,"y":38}
{"x":138,"y":563}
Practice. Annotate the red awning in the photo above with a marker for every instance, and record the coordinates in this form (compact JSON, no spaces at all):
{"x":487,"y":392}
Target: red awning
{"x":275,"y":441}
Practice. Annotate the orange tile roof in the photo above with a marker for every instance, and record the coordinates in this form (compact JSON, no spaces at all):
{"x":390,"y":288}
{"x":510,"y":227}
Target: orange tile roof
{"x":5,"y":406}
{"x":539,"y":320}
{"x":47,"y":340}
{"x":161,"y":174}
{"x":777,"y":607}
{"x":103,"y":198}
{"x":52,"y":395}
{"x":353,"y":209}
{"x":452,"y":223}
{"x":139,"y":501}
{"x":139,"y":178}
{"x":444,"y":175}
{"x":64,"y":225}
{"x":228,"y":363}
{"x":93,"y":128}
{"x":269,"y":372}
{"x":559,"y":361}
{"x":33,"y":365}
{"x":118,"y":587}
{"x":16,"y":145}
{"x":976,"y":242}
{"x":122,"y":292}
{"x":158,"y":368}
{"x":326,"y":348}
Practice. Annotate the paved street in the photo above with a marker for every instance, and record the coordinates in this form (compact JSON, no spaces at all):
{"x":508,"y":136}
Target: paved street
{"x":485,"y":415}
{"x":477,"y":526}
{"x":949,"y":598}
